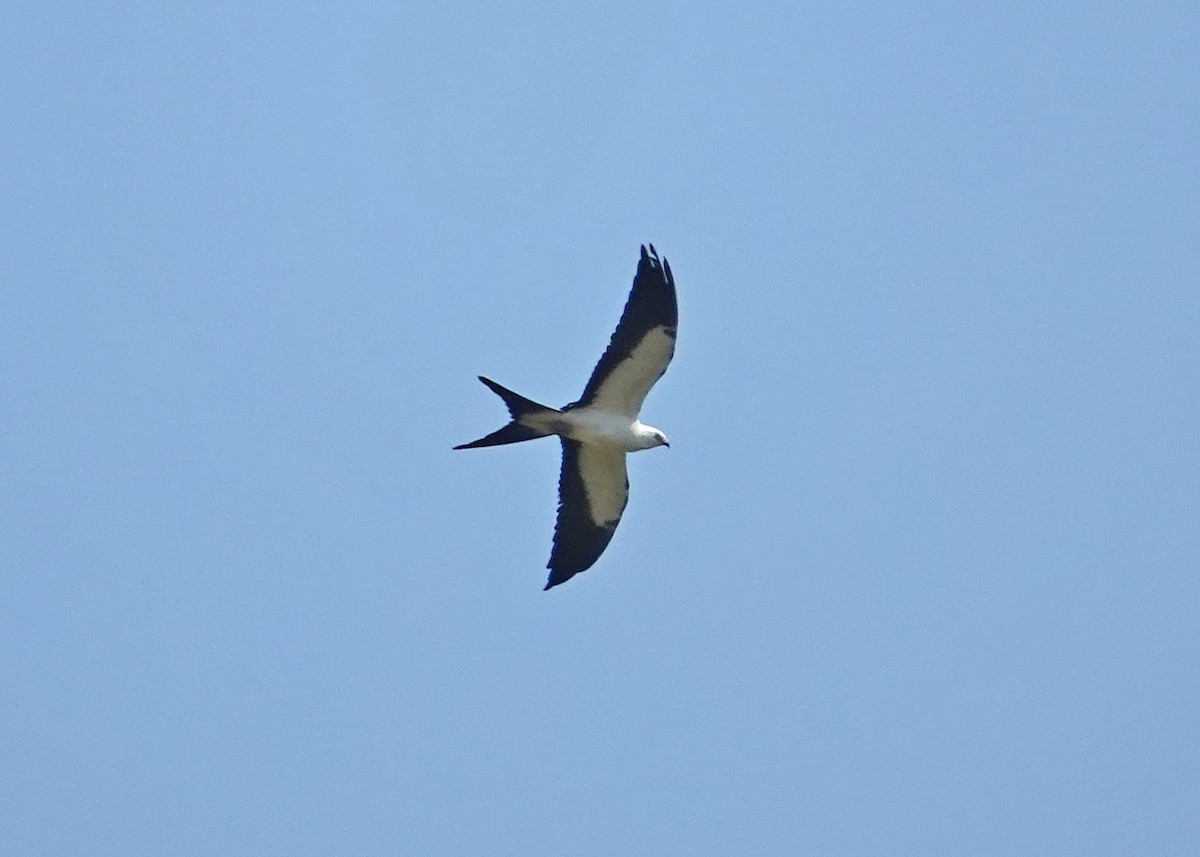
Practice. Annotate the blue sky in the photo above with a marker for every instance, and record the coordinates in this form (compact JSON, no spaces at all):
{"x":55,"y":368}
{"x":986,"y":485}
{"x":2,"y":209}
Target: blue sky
{"x":917,"y":575}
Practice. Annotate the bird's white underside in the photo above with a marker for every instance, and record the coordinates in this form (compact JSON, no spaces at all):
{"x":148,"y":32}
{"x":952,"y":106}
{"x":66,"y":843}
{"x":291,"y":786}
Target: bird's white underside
{"x":593,"y":426}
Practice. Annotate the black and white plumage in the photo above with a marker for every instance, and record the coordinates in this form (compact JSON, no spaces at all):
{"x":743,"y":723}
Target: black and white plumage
{"x":598,"y":430}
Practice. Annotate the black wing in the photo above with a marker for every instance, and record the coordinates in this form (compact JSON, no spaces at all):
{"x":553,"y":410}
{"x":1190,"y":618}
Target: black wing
{"x":593,"y":489}
{"x":642,"y":345}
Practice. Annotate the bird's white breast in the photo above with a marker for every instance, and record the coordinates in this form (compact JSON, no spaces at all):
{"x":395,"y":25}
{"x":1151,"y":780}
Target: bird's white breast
{"x":590,"y":425}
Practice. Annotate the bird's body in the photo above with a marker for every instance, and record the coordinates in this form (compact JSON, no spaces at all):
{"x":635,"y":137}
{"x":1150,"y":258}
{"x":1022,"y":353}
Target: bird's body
{"x":592,"y":424}
{"x":598,"y":430}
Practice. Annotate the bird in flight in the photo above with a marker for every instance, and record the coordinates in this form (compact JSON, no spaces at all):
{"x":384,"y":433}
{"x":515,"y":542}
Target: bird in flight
{"x":599,"y":429}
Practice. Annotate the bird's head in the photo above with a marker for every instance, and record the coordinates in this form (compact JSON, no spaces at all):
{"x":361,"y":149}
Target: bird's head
{"x":662,"y":439}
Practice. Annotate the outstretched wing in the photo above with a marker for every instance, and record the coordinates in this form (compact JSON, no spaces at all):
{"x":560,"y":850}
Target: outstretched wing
{"x":642,"y":345}
{"x":593,"y":489}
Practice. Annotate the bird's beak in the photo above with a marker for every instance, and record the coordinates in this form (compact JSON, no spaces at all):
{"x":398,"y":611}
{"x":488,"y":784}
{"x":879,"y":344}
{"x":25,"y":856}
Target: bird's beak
{"x":667,"y":445}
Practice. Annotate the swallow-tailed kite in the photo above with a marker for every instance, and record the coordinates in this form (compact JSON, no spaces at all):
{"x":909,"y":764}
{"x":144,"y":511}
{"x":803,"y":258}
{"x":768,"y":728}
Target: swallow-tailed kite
{"x":603,"y":425}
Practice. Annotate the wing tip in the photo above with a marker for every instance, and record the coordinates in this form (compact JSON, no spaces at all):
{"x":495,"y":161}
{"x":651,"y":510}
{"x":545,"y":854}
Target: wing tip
{"x":556,"y":577}
{"x":652,"y":258}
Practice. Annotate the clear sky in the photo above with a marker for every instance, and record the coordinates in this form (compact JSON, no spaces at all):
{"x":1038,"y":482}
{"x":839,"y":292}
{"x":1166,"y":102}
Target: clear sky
{"x":918,"y":575}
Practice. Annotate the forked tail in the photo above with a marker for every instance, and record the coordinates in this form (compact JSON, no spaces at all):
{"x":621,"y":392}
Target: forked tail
{"x":521,"y":410}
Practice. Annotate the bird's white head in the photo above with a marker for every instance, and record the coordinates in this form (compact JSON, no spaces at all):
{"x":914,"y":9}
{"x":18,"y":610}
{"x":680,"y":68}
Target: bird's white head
{"x":646,"y":437}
